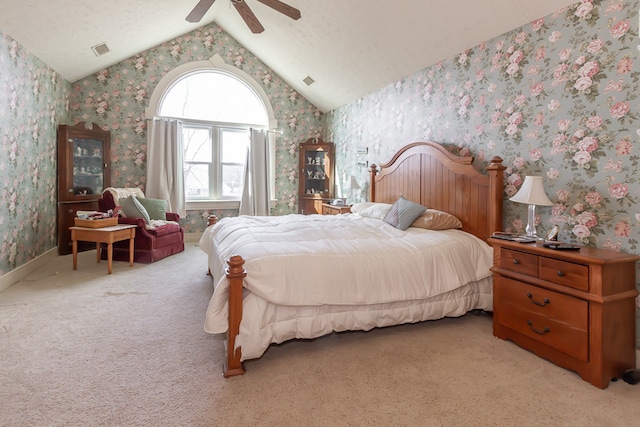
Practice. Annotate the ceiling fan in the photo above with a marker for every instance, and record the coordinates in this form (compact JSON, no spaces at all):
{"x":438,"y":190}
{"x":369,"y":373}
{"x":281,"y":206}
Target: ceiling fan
{"x":245,"y":12}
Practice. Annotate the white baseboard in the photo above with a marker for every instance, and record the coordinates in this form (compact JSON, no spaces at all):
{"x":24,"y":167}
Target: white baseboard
{"x":24,"y":270}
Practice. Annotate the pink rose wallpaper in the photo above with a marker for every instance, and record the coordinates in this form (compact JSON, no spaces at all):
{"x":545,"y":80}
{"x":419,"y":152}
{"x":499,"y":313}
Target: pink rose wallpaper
{"x":558,"y":97}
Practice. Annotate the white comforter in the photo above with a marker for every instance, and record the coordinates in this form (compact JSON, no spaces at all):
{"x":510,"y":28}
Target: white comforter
{"x":340,"y":260}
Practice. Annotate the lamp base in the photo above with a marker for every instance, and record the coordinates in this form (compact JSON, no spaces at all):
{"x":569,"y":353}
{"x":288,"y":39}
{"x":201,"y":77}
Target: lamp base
{"x":531,"y":223}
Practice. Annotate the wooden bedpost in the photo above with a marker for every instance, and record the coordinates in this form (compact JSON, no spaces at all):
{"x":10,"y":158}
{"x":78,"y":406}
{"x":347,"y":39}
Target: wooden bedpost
{"x":211,"y":220}
{"x":496,"y":190}
{"x":235,"y":274}
{"x":373,"y":170}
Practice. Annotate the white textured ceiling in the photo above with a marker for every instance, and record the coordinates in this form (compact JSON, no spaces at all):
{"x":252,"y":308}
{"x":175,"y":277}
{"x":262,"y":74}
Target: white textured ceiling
{"x":349,"y":47}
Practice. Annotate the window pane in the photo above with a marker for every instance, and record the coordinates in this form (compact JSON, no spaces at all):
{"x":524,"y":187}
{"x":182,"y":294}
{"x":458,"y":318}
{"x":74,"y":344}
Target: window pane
{"x":234,"y":146}
{"x":196,"y":180}
{"x":232,"y":180}
{"x":214,"y":96}
{"x":197,"y":144}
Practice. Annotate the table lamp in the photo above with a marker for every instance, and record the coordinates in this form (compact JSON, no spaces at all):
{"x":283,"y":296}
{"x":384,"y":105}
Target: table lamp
{"x":532,"y":193}
{"x":353,"y":185}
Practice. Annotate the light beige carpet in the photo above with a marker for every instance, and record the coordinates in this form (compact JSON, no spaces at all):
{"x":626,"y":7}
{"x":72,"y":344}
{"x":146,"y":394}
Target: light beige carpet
{"x":83,"y":348}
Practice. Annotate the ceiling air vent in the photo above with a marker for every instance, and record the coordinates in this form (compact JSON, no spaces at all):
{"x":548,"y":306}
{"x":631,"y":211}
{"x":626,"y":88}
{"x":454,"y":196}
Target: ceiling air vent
{"x":309,"y":81}
{"x":100,"y":49}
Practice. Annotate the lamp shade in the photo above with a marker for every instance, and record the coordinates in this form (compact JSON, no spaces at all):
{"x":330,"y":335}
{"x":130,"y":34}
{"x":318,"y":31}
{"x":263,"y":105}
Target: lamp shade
{"x":532,"y":192}
{"x":353,"y":184}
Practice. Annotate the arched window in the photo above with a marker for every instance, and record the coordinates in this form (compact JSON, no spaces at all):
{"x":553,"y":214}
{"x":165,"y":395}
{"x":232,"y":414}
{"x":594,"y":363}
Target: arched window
{"x":217,"y":105}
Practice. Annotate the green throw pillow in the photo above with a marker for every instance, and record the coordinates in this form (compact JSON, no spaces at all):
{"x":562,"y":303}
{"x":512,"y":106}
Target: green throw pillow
{"x":132,"y":208}
{"x":156,"y":208}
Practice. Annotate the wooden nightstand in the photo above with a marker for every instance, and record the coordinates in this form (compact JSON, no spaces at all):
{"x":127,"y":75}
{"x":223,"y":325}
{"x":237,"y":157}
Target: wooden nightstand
{"x":574,"y":308}
{"x":328,"y":209}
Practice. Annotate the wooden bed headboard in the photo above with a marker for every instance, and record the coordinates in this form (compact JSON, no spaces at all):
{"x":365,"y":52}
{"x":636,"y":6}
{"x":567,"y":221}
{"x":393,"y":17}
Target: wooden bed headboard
{"x":426,"y":173}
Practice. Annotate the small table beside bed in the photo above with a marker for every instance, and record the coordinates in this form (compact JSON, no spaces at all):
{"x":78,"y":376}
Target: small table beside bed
{"x":417,"y":251}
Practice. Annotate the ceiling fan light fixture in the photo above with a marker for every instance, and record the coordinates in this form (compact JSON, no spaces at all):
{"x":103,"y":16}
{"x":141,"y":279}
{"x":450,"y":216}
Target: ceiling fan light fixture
{"x":245,"y":12}
{"x":100,"y":49}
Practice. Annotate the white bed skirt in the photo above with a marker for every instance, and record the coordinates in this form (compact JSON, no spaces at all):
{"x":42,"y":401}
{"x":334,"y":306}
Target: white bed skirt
{"x":264,"y":323}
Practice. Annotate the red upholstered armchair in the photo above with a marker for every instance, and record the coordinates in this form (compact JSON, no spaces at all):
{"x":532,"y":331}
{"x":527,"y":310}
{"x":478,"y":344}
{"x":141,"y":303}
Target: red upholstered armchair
{"x":154,"y":241}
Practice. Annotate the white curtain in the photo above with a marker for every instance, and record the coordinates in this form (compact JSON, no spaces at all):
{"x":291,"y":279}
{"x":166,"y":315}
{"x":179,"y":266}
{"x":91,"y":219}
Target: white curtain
{"x":165,"y":171}
{"x":255,"y":195}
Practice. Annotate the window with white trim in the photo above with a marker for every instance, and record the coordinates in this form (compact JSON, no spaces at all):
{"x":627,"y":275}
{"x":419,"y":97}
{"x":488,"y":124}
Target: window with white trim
{"x":216,"y":109}
{"x":206,"y":178}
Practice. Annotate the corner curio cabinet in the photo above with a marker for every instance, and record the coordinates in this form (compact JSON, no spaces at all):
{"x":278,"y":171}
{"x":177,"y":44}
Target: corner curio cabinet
{"x":316,"y":175}
{"x":83,"y":173}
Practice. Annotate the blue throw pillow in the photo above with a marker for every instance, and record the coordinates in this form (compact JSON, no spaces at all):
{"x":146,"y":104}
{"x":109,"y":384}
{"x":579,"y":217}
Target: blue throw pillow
{"x":403,"y":212}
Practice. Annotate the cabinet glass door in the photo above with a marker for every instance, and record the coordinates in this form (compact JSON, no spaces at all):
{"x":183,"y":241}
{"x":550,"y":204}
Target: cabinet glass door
{"x":316,"y":177}
{"x":88,"y":166}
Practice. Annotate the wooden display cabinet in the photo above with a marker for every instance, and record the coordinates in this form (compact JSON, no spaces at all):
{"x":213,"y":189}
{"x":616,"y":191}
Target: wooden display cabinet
{"x":84,"y":171}
{"x":316,"y":175}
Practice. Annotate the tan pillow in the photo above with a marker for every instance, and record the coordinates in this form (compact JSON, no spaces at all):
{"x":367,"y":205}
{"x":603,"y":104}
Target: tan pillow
{"x":434,"y":219}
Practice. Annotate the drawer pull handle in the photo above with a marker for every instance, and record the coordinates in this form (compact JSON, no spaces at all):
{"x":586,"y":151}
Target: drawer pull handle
{"x":516,"y":262}
{"x":537,"y":331}
{"x":560,"y":273}
{"x":541,"y":304}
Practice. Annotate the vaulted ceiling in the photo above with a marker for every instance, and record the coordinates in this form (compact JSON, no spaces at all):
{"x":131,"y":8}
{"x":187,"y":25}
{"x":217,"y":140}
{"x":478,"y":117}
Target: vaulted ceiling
{"x":350,"y":48}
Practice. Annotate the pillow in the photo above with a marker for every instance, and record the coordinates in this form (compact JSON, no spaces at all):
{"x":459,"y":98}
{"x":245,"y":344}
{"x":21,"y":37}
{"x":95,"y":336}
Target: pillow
{"x":376,"y":211}
{"x":156,"y":208}
{"x":434,"y":219}
{"x":132,"y":208}
{"x":403,"y":212}
{"x":359,"y":207}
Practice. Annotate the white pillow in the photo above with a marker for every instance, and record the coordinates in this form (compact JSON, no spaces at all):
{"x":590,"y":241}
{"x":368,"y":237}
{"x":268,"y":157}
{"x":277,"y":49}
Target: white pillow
{"x":359,"y":207}
{"x":377,"y":211}
{"x":371,"y":209}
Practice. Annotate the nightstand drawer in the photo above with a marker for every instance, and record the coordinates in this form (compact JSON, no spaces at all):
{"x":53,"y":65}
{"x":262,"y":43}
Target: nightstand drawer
{"x":565,"y":273}
{"x":562,"y":308}
{"x":519,"y":262}
{"x":550,"y":332}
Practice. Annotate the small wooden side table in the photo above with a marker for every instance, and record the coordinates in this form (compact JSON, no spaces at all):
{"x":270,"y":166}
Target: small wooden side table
{"x":107,"y":235}
{"x":329,"y":209}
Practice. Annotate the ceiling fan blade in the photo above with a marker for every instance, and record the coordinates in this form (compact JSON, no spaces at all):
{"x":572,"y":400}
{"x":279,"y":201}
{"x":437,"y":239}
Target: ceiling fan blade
{"x":198,"y":12}
{"x":249,"y":18}
{"x":283,"y":8}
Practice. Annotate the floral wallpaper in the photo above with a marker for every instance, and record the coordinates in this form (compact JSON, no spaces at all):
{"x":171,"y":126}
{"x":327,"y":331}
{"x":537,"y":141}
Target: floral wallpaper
{"x":33,"y":100}
{"x":558,"y":97}
{"x":116,"y":98}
